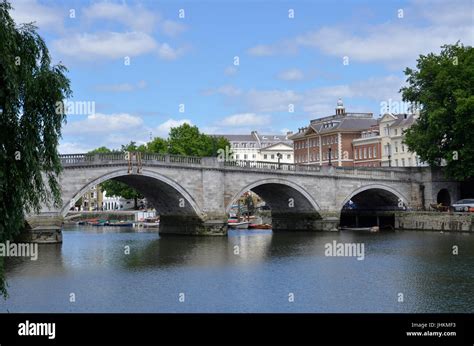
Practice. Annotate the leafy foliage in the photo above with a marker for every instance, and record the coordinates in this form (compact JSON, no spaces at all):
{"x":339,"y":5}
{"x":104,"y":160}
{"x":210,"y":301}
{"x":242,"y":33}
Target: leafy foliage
{"x":444,"y":86}
{"x":30,"y":123}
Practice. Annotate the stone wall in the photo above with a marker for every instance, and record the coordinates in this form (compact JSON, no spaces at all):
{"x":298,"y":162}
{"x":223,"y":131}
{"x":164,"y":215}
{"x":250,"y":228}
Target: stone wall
{"x":435,"y":221}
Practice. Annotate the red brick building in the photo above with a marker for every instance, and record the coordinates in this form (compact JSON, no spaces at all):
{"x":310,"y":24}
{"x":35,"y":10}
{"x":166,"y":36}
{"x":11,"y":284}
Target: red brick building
{"x":367,"y":148}
{"x":330,"y":140}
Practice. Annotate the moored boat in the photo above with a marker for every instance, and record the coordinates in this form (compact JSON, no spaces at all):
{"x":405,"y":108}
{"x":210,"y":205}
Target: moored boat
{"x":238,"y":225}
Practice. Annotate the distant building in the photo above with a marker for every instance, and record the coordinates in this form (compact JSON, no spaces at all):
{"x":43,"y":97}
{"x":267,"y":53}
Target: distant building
{"x":394,"y":151}
{"x":257,"y":147}
{"x":367,"y":148}
{"x":92,"y":199}
{"x":329,"y":140}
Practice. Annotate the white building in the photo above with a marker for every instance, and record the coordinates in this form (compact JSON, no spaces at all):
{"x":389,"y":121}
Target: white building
{"x":392,"y":132}
{"x":257,"y":147}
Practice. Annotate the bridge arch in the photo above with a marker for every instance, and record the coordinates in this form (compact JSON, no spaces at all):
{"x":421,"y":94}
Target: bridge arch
{"x":382,"y":187}
{"x":276,"y":193}
{"x":163,"y":193}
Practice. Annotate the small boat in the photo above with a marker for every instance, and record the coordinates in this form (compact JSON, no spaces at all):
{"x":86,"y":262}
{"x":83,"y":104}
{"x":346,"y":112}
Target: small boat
{"x":238,"y":225}
{"x":260,"y":226}
{"x":119,"y":224}
{"x":356,"y":228}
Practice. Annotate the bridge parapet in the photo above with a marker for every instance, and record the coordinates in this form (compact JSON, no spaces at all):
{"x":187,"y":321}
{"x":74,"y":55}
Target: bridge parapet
{"x":151,"y":159}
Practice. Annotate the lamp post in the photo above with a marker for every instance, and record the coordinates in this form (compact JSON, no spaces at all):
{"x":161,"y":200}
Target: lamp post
{"x":389,"y":160}
{"x":329,"y":152}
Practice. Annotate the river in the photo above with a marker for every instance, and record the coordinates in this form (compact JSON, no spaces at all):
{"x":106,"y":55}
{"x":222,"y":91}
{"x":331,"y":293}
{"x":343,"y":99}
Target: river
{"x":405,"y":271}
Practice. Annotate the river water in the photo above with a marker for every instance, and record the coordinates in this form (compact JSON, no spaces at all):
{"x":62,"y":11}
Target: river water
{"x":271,"y":272}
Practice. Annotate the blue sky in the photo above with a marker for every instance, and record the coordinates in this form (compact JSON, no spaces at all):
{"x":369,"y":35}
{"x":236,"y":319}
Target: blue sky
{"x":284,"y":63}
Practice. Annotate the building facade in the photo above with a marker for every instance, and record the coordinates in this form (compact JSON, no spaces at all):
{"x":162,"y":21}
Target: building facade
{"x":257,"y":147}
{"x":329,"y":140}
{"x":394,"y":151}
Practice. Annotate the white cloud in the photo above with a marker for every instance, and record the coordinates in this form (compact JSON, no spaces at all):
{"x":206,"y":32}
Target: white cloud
{"x":426,"y":26}
{"x":111,"y":45}
{"x":293,"y":74}
{"x":136,"y":18}
{"x":230,"y":70}
{"x":99,"y":123}
{"x":27,"y":11}
{"x":172,"y":28}
{"x":122,"y":87}
{"x":271,"y":100}
{"x":245,"y":119}
{"x":164,"y":128}
{"x":319,"y":100}
{"x":74,"y":148}
{"x":165,"y":51}
{"x":226,"y":90}
{"x":261,"y":50}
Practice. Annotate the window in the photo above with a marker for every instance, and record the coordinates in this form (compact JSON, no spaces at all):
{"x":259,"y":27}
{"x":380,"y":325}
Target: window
{"x":237,"y":156}
{"x":245,"y":156}
{"x":396,"y":132}
{"x":403,"y":148}
{"x":403,"y":162}
{"x":375,"y":151}
{"x":409,"y":161}
{"x":335,"y":139}
{"x":370,"y":152}
{"x":317,"y":157}
{"x":288,"y":157}
{"x":355,"y":155}
{"x":254,"y":156}
{"x":265,"y":156}
{"x":365,"y":153}
{"x":236,"y":145}
{"x":324,"y":140}
{"x":396,"y":147}
{"x":396,"y":162}
{"x":273,"y":156}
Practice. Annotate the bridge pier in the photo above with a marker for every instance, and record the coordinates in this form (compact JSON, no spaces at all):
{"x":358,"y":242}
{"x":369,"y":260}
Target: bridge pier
{"x":192,"y":225}
{"x":43,"y":228}
{"x":307,"y":221}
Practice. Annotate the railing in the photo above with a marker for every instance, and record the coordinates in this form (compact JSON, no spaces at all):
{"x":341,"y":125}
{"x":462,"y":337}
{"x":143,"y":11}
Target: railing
{"x":160,"y":159}
{"x":272,"y":166}
{"x":111,"y":158}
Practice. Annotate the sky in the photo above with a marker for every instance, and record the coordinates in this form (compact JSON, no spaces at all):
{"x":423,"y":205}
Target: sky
{"x":138,"y":68}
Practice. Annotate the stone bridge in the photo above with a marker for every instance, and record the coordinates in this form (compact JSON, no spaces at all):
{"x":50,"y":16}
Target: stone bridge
{"x":193,"y":195}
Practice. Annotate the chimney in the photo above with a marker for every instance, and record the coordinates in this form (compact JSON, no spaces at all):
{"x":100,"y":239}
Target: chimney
{"x":289,"y":133}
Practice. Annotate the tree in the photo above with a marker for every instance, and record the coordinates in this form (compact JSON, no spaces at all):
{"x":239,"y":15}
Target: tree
{"x":114,"y":187}
{"x":117,"y":188}
{"x":187,"y":140}
{"x":157,"y":145}
{"x":30,"y":124}
{"x":443,"y":85}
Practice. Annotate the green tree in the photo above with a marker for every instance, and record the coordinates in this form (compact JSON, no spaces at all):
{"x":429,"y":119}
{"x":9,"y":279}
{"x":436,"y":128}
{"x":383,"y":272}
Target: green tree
{"x":30,"y":124}
{"x":114,"y":187}
{"x":443,"y":85}
{"x":187,"y":140}
{"x":157,"y":145}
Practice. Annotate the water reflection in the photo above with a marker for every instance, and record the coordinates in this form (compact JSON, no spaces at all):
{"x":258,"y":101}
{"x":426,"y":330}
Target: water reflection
{"x":246,"y":271}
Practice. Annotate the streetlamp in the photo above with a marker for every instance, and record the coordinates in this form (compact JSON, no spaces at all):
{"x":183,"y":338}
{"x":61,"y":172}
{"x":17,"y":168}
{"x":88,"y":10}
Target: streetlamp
{"x":279,"y":156}
{"x":329,"y":152}
{"x":389,"y":160}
